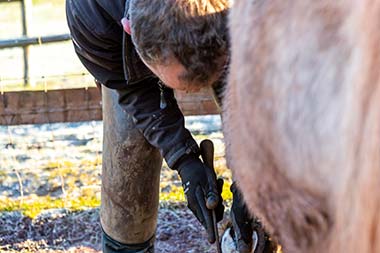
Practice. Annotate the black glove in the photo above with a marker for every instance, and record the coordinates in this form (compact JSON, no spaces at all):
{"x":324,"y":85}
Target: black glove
{"x":241,"y":221}
{"x":244,"y":225}
{"x":202,"y":190}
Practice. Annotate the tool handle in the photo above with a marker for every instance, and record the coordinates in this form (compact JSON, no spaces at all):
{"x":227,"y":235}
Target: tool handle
{"x":217,"y":240}
{"x":207,"y":153}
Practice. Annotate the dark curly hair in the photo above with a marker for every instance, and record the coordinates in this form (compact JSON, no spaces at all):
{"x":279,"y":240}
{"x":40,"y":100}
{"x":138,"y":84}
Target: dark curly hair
{"x":193,"y":31}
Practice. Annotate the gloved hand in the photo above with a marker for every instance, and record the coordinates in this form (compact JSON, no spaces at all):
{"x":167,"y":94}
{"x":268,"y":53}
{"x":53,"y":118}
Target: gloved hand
{"x":202,"y":190}
{"x":241,"y":222}
{"x":248,"y":232}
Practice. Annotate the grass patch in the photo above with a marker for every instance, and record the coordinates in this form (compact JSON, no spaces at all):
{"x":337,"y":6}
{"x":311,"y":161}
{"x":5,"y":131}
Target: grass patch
{"x":34,"y":206}
{"x":227,"y":194}
{"x":176,"y":194}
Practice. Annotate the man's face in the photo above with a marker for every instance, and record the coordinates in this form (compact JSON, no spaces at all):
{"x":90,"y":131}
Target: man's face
{"x":170,"y":74}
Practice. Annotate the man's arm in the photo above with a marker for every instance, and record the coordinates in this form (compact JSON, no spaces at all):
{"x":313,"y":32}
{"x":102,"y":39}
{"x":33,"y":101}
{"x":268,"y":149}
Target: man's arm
{"x":163,"y":128}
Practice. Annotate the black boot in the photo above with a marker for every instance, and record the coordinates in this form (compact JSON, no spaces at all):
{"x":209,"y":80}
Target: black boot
{"x":109,"y":245}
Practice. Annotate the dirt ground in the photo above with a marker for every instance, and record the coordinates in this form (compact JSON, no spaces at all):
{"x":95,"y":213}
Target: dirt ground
{"x":62,"y":231}
{"x":62,"y":162}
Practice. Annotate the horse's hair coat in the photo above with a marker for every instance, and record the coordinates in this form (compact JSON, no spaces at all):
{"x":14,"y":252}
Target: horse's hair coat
{"x":302,"y":120}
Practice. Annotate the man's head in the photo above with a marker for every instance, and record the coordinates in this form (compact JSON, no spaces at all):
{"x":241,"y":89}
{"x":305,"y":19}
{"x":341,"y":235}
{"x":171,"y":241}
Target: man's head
{"x":184,"y":42}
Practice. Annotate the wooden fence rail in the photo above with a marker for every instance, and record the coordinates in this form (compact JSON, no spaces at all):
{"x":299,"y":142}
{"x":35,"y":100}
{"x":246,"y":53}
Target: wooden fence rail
{"x":25,"y":41}
{"x":75,"y":105}
{"x":28,"y":41}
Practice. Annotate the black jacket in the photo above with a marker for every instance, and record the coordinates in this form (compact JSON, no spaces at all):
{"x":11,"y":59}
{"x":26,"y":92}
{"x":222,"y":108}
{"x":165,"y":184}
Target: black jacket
{"x":97,"y":36}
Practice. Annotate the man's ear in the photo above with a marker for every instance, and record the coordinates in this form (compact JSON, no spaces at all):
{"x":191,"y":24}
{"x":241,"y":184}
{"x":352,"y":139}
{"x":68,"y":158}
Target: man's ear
{"x":126,"y":25}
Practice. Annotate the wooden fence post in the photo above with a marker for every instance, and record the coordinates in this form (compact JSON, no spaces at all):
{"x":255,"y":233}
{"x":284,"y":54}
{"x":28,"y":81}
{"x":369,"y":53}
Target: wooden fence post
{"x":26,"y":8}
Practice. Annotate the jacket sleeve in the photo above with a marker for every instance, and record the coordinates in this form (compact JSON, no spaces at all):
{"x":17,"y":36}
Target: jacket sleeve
{"x":163,"y":128}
